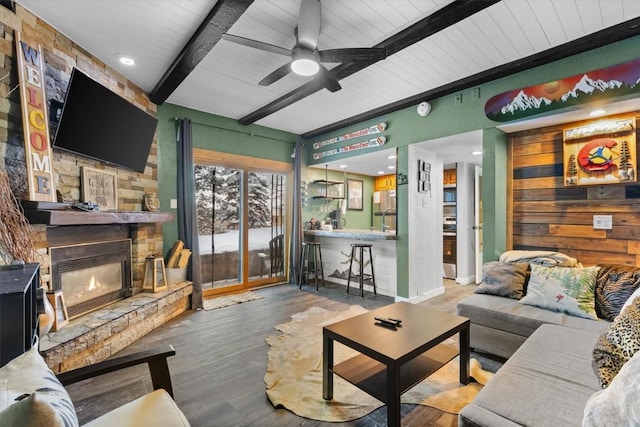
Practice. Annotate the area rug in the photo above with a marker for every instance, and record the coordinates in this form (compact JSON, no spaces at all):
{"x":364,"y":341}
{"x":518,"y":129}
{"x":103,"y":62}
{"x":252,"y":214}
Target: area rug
{"x":227,"y":300}
{"x":294,"y":374}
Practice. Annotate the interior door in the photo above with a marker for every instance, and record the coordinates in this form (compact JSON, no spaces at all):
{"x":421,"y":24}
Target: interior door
{"x":478,"y":221}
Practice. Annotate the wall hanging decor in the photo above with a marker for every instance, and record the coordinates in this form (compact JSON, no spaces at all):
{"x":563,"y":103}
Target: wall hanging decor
{"x":617,"y":81}
{"x":602,"y":152}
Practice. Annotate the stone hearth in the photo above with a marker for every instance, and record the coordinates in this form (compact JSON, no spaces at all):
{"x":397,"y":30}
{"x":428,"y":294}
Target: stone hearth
{"x":102,"y":333}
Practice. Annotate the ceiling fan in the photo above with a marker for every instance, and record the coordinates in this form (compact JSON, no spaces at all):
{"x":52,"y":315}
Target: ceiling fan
{"x":305,"y":57}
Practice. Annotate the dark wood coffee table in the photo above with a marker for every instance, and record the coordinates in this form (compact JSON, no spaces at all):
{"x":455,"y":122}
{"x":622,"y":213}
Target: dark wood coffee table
{"x":393,"y":361}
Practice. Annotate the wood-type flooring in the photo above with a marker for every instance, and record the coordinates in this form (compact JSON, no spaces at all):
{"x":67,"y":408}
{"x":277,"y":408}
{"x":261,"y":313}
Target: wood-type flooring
{"x":221,"y":358}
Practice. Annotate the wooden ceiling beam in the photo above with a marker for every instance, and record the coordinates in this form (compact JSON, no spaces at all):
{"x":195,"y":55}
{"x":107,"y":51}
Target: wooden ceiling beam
{"x":601,"y":38}
{"x":441,"y":19}
{"x":224,"y":14}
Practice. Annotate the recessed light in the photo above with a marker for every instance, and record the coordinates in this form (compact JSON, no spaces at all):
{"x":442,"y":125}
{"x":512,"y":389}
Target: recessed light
{"x":343,"y":166}
{"x":597,"y":112}
{"x":476,"y":153}
{"x":391,"y":167}
{"x":391,"y":157}
{"x":380,"y":172}
{"x":125,"y":60}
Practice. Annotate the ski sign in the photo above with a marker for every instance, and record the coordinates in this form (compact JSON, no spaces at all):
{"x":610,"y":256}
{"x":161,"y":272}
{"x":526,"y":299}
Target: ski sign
{"x":375,"y":142}
{"x":371,"y":130}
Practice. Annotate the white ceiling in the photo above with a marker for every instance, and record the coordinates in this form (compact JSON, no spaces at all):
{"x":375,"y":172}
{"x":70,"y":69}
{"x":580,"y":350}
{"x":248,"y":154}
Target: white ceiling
{"x":154,"y":32}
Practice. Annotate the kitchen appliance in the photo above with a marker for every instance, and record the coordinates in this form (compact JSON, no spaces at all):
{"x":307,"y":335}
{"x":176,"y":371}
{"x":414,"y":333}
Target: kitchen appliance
{"x":384,"y":210}
{"x":336,"y":219}
{"x":449,"y":246}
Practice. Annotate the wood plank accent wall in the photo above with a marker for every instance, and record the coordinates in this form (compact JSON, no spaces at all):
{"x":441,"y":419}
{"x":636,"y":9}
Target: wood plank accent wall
{"x":546,"y":215}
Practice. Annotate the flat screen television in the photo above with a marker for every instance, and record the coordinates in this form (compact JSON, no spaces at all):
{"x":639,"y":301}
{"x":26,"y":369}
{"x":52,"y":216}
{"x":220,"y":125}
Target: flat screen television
{"x":97,"y":123}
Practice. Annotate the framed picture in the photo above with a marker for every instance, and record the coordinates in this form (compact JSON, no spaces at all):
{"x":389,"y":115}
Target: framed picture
{"x":354,"y":190}
{"x":61,"y":317}
{"x":100,"y":187}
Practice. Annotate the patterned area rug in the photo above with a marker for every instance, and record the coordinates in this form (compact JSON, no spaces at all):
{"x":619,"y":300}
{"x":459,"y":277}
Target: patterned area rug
{"x":294,"y":374}
{"x":227,"y":300}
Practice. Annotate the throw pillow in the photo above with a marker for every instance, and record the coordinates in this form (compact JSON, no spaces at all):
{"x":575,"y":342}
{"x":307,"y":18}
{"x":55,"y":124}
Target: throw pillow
{"x":29,"y":385}
{"x":618,"y":344}
{"x":503,"y":279}
{"x":618,"y":404}
{"x":631,"y":299}
{"x":563,"y":289}
{"x":614,"y":285}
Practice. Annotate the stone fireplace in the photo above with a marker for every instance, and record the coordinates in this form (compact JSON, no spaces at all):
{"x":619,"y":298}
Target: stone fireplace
{"x":111,"y":247}
{"x":91,"y":275}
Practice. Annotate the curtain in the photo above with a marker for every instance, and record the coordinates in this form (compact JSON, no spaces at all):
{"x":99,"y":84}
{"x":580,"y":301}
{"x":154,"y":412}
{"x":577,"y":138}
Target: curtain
{"x":296,"y":227}
{"x":187,"y":218}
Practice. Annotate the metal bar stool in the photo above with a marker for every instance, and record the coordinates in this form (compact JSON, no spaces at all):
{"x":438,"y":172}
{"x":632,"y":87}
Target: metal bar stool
{"x":361,"y":247}
{"x":311,"y":252}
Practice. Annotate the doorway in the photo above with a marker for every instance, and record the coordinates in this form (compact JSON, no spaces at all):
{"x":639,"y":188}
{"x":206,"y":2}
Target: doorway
{"x":242,"y":220}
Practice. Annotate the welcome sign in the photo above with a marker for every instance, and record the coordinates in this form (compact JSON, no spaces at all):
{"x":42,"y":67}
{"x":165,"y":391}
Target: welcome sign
{"x":35,"y":122}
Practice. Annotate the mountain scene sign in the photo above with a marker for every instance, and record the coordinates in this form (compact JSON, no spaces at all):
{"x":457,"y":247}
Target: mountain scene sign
{"x":617,"y":81}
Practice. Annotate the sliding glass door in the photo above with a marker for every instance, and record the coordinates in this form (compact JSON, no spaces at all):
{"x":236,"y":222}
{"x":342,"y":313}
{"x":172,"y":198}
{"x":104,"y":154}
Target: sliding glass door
{"x":242,"y":223}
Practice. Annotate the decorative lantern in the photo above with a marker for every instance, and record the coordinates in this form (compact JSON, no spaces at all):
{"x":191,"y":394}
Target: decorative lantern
{"x":155,"y":279}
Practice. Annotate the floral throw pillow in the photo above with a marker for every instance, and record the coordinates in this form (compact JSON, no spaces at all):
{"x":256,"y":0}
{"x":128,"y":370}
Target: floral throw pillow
{"x":567,"y":290}
{"x":504,"y":279}
{"x":618,"y":344}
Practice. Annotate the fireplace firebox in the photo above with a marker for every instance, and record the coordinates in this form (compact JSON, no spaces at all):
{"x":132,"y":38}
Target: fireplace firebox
{"x":91,"y":275}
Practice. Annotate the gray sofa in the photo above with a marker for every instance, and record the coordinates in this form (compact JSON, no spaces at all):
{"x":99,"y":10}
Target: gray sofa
{"x":549,"y":375}
{"x":499,"y":325}
{"x":547,"y":382}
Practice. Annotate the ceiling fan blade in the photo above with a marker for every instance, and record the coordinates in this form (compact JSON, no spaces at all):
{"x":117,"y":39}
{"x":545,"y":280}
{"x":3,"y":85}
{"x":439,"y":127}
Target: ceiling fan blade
{"x":256,"y":44}
{"x":276,"y":75}
{"x":356,"y":54}
{"x":309,"y":23}
{"x":327,"y":79}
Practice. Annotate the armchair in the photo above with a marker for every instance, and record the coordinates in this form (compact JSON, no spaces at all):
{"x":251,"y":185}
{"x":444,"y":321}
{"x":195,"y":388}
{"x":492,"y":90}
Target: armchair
{"x":34,"y":396}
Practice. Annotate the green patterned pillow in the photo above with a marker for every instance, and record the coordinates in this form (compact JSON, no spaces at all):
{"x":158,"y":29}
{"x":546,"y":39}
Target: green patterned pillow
{"x":618,"y":344}
{"x":31,"y":395}
{"x":567,"y":290}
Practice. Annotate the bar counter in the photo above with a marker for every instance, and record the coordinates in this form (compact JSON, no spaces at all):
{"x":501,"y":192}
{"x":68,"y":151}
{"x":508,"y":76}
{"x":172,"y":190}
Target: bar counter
{"x":336,"y":250}
{"x":347,"y":233}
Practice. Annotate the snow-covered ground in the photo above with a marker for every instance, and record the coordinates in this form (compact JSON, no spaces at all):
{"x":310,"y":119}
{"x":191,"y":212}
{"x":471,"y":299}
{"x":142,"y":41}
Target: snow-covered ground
{"x":230,"y":242}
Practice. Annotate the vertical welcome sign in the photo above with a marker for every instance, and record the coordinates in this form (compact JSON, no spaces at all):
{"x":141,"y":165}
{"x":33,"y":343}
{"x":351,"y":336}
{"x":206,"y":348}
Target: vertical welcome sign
{"x":35,"y":122}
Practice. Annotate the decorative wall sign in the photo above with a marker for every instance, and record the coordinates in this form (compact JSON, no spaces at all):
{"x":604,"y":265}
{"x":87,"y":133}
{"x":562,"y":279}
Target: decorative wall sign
{"x":354,"y":189}
{"x":375,"y":142}
{"x":600,"y":153}
{"x":611,"y":82}
{"x":100,"y":187}
{"x":35,"y":122}
{"x":371,"y":130}
{"x":424,"y":177}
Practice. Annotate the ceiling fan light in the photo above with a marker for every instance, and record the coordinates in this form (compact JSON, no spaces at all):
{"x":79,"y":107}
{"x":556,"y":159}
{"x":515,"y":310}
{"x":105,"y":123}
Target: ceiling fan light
{"x":305,"y":66}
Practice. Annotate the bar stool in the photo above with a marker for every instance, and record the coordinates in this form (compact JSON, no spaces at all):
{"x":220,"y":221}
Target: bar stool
{"x":361,"y":247}
{"x":311,"y":252}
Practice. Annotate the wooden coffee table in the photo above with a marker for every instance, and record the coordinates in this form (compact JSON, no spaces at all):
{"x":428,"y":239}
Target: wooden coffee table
{"x":393,"y":361}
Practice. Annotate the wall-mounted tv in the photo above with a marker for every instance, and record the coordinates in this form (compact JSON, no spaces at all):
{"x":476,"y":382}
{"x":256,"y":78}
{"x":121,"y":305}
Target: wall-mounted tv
{"x":97,"y":123}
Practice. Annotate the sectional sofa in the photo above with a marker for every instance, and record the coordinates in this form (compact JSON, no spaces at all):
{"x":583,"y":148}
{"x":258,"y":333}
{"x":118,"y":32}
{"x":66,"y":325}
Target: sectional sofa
{"x":551,"y":376}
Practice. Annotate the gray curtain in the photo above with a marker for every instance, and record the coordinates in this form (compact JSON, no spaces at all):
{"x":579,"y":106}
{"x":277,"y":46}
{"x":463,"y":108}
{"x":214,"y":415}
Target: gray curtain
{"x":187,"y":218}
{"x":296,"y":229}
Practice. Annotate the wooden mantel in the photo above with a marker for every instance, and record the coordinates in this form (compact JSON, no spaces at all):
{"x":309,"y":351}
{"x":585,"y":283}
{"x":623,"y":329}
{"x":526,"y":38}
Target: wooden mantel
{"x":77,"y":217}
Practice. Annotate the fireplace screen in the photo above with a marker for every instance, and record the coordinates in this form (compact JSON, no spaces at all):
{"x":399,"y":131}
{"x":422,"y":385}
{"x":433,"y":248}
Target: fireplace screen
{"x":91,"y":275}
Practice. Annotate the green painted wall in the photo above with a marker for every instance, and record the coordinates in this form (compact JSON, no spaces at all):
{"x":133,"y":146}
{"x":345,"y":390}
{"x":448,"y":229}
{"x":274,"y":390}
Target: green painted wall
{"x":406,"y":127}
{"x":320,"y":208}
{"x":214,"y":133}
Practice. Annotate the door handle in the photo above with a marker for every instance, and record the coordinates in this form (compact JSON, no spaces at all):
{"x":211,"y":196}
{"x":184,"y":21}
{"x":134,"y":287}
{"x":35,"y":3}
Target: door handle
{"x":477,"y":227}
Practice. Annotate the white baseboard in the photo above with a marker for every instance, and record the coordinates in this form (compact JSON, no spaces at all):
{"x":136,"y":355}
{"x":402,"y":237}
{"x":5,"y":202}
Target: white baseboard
{"x":420,"y":298}
{"x":466,"y":280}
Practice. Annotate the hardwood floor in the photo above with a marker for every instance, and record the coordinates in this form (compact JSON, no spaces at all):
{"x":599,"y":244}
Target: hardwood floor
{"x":221,"y":359}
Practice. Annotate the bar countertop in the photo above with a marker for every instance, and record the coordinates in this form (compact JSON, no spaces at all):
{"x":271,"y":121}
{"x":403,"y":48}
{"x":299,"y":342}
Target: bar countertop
{"x":346,"y":233}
